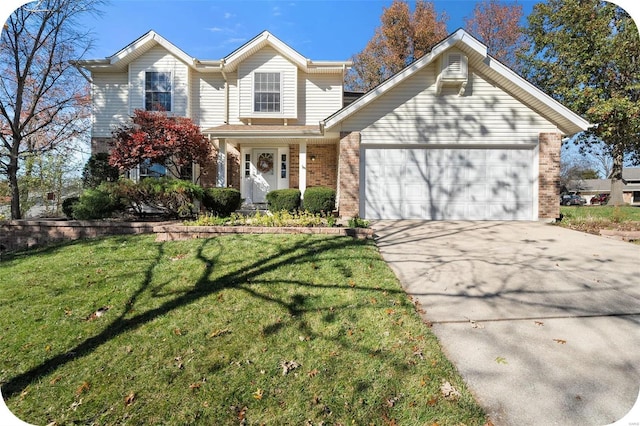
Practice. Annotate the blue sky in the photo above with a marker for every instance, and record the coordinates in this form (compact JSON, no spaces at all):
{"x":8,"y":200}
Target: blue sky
{"x":319,"y":30}
{"x":211,"y":29}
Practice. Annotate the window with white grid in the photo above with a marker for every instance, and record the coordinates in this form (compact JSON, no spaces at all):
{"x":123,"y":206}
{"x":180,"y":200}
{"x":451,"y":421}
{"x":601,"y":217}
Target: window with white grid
{"x":266,"y":92}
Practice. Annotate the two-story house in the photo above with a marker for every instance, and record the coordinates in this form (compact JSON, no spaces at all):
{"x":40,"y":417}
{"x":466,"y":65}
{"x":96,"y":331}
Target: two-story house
{"x":455,"y":135}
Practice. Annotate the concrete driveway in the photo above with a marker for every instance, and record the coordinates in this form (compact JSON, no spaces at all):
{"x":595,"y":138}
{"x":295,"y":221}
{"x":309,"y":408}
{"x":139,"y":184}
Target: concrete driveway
{"x":542,"y":322}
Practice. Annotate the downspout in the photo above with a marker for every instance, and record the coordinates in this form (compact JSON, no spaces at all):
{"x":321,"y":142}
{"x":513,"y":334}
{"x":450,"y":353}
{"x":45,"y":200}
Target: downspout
{"x":226,"y":92}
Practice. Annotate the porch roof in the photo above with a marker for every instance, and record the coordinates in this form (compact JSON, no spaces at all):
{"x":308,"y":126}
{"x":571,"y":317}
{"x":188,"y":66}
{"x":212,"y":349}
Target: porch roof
{"x":243,"y":131}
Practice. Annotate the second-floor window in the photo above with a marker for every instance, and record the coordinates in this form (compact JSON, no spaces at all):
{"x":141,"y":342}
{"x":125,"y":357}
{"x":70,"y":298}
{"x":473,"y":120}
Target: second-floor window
{"x":266,"y":92}
{"x":157,"y":91}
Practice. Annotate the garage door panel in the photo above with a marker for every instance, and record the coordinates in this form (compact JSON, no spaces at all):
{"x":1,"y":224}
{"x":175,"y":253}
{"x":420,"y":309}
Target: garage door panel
{"x":440,"y":184}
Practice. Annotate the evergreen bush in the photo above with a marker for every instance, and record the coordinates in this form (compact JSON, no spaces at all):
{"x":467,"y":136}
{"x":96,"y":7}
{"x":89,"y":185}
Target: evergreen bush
{"x":283,"y":199}
{"x":319,"y":199}
{"x":221,"y":201}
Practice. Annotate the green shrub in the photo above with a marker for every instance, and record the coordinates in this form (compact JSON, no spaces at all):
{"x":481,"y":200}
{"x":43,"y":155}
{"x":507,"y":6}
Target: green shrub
{"x":221,"y":201}
{"x":283,"y":199}
{"x":169,"y":197}
{"x":319,"y":199}
{"x":98,"y":203}
{"x":356,"y":222}
{"x":67,"y":206}
{"x":98,"y":170}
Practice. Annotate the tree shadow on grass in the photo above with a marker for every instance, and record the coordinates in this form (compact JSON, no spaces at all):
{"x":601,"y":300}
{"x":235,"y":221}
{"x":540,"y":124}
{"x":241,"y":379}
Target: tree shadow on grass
{"x":242,"y":278}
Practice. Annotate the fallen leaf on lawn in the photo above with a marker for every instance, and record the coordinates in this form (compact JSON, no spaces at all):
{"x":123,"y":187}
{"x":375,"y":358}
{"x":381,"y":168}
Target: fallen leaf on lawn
{"x":258,"y":393}
{"x":373,"y":301}
{"x":540,"y":323}
{"x":242,"y":413}
{"x":432,"y":401}
{"x":501,"y":360}
{"x":76,"y":404}
{"x":288,"y":366}
{"x":194,"y":386}
{"x":82,"y":388}
{"x":313,"y":373}
{"x":449,"y":391}
{"x":47,"y":348}
{"x":128,"y":400}
{"x":352,"y":283}
{"x":389,"y":311}
{"x":350,"y":332}
{"x":55,"y":380}
{"x":217,"y":333}
{"x":67,"y":311}
{"x":98,"y":313}
{"x":177,"y":332}
{"x":418,"y":352}
{"x":562,"y":342}
{"x":392,"y":401}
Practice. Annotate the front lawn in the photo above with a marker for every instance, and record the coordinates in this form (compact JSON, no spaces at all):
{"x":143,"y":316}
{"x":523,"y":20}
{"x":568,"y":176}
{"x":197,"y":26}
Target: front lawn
{"x":244,"y":329}
{"x":594,"y":218}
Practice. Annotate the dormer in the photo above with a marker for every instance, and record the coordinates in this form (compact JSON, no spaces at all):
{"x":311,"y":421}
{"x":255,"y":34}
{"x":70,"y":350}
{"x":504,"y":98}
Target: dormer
{"x":453,"y":71}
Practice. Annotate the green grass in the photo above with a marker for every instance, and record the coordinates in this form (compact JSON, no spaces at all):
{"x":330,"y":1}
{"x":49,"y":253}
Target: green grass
{"x":198,"y":332}
{"x":608,"y":213}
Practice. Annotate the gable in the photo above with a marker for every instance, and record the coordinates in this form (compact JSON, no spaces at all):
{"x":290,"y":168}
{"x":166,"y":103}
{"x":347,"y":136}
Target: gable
{"x":416,"y":111}
{"x":268,"y":60}
{"x":564,"y":120}
{"x":159,"y":59}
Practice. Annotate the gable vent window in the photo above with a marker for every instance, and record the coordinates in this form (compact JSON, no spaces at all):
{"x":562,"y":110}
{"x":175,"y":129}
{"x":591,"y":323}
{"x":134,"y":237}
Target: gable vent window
{"x":157,"y":91}
{"x":453,"y":72}
{"x":266,"y":92}
{"x":454,"y":65}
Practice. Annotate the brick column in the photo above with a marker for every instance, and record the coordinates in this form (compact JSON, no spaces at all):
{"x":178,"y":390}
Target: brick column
{"x":549,"y":175}
{"x":349,"y":174}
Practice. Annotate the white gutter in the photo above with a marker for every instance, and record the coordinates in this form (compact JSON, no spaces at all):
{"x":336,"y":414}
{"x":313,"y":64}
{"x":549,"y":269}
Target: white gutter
{"x":226,"y":92}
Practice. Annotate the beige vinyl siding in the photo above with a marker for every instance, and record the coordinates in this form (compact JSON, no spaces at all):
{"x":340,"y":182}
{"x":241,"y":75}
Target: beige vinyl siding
{"x":159,"y":59}
{"x":207,"y":99}
{"x":110,"y":102}
{"x":412,"y":113}
{"x":268,"y":60}
{"x":234,"y":96}
{"x":319,"y":96}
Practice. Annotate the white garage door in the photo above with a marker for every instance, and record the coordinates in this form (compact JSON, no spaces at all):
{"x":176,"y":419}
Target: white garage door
{"x":448,"y":184}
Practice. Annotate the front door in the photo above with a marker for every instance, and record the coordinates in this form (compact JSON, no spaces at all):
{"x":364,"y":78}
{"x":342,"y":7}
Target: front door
{"x":263,"y":173}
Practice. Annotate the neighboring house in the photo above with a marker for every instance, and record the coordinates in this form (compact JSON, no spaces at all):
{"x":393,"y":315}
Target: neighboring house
{"x":455,"y":135}
{"x":590,"y":187}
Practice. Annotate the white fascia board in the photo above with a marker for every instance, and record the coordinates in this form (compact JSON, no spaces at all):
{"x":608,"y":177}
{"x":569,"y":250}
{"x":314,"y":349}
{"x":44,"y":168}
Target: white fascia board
{"x":258,"y":42}
{"x":150,"y":37}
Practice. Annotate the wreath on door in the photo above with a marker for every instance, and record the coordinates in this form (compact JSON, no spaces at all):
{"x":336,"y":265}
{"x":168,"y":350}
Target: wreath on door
{"x":265,"y":162}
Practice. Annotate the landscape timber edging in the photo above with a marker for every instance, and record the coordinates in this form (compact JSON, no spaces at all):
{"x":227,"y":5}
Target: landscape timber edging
{"x":182,"y":232}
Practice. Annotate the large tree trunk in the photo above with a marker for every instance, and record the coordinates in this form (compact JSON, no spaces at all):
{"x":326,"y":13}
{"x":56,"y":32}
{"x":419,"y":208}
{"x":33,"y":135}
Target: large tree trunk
{"x":12,"y":171}
{"x":615,"y":198}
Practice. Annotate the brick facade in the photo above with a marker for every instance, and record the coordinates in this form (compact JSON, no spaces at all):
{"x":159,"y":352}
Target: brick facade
{"x":349,"y":174}
{"x":549,"y":175}
{"x":323,"y":171}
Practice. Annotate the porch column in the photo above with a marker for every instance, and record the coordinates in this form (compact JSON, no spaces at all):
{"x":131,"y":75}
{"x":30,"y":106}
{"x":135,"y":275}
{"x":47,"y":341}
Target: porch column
{"x":302,"y":167}
{"x":221,"y":179}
